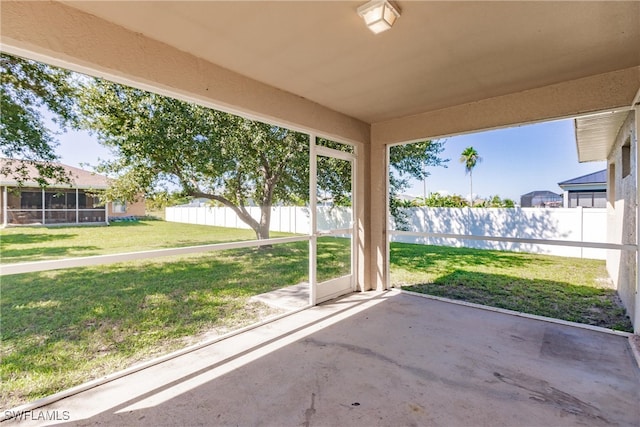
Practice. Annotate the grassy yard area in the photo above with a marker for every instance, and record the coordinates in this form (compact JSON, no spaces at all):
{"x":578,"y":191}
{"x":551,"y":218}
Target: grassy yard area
{"x":64,"y":327}
{"x":572,"y":289}
{"x":39,"y":243}
{"x":61,"y":328}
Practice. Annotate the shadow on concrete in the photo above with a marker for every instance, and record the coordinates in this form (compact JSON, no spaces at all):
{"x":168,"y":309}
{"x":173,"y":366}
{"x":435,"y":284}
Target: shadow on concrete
{"x":390,"y":359}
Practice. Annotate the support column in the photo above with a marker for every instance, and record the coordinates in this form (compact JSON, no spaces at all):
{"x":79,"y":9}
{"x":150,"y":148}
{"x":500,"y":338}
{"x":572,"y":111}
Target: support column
{"x":362,"y":217}
{"x":378,"y":248}
{"x":636,"y":131}
{"x":313,"y":220}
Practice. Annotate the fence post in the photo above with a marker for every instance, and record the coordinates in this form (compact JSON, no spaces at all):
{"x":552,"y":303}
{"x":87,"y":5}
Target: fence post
{"x":581,"y":219}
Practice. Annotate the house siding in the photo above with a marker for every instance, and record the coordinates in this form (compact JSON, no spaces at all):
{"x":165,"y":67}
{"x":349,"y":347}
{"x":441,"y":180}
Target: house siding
{"x":136,"y":208}
{"x":621,"y":213}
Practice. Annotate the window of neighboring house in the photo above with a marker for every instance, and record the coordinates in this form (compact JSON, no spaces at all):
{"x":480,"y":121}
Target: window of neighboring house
{"x":626,"y":158}
{"x":588,"y":199}
{"x":599,"y":199}
{"x":119,"y":207}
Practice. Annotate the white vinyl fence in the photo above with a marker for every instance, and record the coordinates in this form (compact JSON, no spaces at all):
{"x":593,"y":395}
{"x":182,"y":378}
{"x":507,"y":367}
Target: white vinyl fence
{"x":288,"y":219}
{"x":575,"y":224}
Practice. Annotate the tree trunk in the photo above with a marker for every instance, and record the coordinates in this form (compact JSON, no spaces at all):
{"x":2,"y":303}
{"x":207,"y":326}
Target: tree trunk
{"x":471,"y":188}
{"x":262,"y":231}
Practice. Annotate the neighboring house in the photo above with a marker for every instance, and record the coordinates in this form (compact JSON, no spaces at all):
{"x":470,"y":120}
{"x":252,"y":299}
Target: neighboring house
{"x":587,"y":191}
{"x":30,"y":204}
{"x":541,"y":199}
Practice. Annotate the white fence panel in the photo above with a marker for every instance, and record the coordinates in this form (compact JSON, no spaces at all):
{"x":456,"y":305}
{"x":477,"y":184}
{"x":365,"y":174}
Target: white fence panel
{"x":576,"y":224}
{"x":288,"y":219}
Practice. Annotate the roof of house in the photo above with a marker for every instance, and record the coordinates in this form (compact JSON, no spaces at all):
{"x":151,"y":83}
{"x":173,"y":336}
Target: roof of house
{"x":80,"y":178}
{"x":541,"y":193}
{"x":599,"y":177}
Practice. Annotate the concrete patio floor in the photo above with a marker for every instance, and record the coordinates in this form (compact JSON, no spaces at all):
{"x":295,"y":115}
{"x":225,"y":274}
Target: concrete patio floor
{"x":380,"y":359}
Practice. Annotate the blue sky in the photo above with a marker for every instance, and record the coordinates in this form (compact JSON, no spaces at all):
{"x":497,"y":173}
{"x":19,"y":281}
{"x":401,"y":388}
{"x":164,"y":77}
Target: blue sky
{"x":515,"y":160}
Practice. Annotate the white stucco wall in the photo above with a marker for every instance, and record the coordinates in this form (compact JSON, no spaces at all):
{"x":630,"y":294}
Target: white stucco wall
{"x":621,"y":215}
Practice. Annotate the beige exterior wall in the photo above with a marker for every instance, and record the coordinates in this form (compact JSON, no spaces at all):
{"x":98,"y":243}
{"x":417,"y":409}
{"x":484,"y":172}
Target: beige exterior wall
{"x":136,"y":208}
{"x":621,"y":213}
{"x":568,"y":99}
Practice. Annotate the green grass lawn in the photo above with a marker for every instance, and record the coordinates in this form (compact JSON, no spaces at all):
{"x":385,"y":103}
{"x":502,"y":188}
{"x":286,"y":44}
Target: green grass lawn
{"x":39,"y":243}
{"x":64,"y":327}
{"x":572,"y":289}
{"x":61,"y":328}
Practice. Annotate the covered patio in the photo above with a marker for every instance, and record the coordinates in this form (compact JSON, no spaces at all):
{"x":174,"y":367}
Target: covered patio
{"x":379,"y":358}
{"x":445,"y":68}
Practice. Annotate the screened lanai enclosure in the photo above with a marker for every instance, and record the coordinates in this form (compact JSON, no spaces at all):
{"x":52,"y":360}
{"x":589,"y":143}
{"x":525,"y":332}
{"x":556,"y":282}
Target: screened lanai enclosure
{"x":315,"y":68}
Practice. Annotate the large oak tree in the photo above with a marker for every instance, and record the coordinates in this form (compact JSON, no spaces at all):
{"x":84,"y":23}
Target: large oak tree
{"x":160,"y":142}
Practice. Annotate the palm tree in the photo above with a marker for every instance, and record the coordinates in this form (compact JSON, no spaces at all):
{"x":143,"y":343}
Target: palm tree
{"x":470,"y":158}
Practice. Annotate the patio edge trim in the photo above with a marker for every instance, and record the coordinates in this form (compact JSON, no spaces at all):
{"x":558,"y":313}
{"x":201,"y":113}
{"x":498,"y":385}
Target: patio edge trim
{"x":522,"y":314}
{"x":635,"y":347}
{"x":13,"y":412}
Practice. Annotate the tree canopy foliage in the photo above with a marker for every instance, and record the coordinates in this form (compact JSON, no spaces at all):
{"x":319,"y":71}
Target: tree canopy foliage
{"x":410,"y":161}
{"x":160,"y":141}
{"x":437,"y":200}
{"x":28,"y":89}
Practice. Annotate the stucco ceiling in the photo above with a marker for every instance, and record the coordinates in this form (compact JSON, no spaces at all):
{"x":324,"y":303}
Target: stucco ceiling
{"x":439,"y":54}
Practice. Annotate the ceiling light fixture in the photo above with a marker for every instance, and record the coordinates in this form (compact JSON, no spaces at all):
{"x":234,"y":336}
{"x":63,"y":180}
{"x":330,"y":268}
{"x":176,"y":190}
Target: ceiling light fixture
{"x":379,"y":15}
